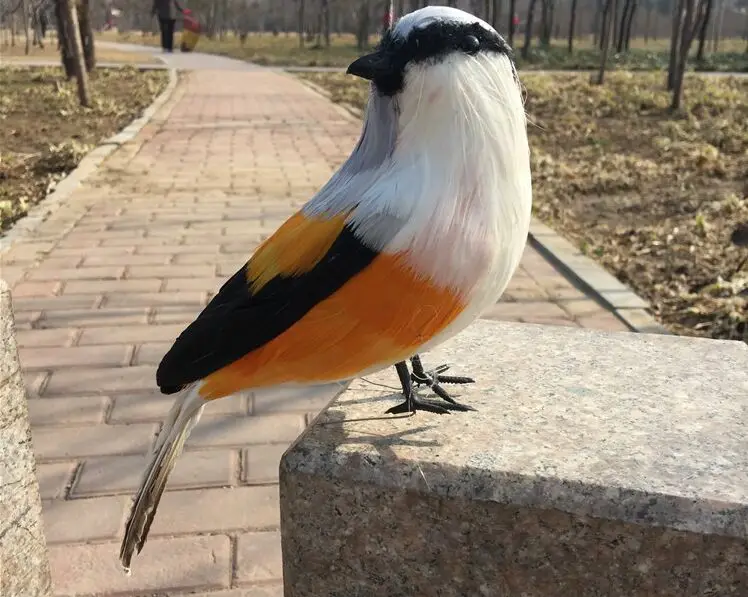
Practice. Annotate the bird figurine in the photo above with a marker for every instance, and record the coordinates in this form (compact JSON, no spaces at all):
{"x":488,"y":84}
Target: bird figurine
{"x":411,"y":239}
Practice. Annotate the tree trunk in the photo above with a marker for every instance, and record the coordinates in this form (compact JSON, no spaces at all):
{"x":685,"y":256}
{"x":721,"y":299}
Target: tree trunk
{"x":686,"y":35}
{"x":629,"y":25}
{"x":496,"y":15}
{"x":597,"y":39}
{"x":546,"y":26}
{"x":362,"y":27}
{"x":64,"y":41}
{"x":26,"y":15}
{"x":487,"y":10}
{"x":72,"y":30}
{"x":678,"y":6}
{"x":572,"y":22}
{"x":704,"y":28}
{"x":300,"y":24}
{"x":620,"y":38}
{"x":606,"y":26}
{"x":326,"y":21}
{"x":512,"y":12}
{"x":647,"y":22}
{"x":87,"y":36}
{"x":528,"y":29}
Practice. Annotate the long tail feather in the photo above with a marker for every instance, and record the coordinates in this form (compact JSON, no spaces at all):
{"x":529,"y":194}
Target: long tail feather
{"x":183,"y":416}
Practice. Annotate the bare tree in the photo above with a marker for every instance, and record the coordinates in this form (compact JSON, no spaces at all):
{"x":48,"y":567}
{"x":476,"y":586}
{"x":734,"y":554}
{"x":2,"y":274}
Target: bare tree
{"x":512,"y":26}
{"x":300,"y":24}
{"x":87,"y":36}
{"x":496,"y":6}
{"x":546,"y":24}
{"x":64,"y":41}
{"x":72,"y":32}
{"x":691,"y":17}
{"x":572,"y":23}
{"x":678,"y":8}
{"x":709,"y":5}
{"x":625,"y":26}
{"x":362,"y":25}
{"x":26,"y":12}
{"x":528,"y":29}
{"x":607,"y":24}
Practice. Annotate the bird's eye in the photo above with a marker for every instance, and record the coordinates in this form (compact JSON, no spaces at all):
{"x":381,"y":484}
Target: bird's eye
{"x":470,"y":44}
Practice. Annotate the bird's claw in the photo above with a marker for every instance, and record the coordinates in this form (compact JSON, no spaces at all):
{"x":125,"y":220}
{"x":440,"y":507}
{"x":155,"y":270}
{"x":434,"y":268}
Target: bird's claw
{"x":417,"y":404}
{"x":431,"y":379}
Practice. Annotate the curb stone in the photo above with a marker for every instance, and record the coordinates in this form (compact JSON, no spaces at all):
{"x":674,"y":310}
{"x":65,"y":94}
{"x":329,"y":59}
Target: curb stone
{"x":87,"y":166}
{"x":630,"y":308}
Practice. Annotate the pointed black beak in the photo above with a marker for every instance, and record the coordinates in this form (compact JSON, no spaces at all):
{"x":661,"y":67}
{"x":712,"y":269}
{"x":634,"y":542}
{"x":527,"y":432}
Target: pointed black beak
{"x":370,"y":66}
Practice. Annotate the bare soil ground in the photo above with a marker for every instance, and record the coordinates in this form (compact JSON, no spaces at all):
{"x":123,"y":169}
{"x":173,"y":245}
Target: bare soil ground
{"x":653,"y":197}
{"x":44,"y":132}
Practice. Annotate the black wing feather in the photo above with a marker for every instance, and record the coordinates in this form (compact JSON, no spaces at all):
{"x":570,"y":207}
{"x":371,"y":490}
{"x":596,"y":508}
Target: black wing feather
{"x":236,"y":321}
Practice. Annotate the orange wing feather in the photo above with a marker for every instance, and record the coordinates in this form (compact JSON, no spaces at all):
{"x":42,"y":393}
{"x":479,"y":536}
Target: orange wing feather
{"x":380,"y":316}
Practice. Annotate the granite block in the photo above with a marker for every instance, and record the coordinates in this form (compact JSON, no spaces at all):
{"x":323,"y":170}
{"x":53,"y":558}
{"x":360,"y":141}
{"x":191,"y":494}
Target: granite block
{"x":597,"y":464}
{"x":24,"y":568}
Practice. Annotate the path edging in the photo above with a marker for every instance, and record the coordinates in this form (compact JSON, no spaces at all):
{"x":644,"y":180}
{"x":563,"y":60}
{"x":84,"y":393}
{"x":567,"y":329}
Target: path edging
{"x":87,"y":166}
{"x":618,"y":298}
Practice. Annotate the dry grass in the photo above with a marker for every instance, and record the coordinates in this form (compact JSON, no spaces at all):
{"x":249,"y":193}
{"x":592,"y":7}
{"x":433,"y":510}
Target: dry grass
{"x":44,"y":132}
{"x":652,"y":197}
{"x":17,"y":55}
{"x":284,"y":50}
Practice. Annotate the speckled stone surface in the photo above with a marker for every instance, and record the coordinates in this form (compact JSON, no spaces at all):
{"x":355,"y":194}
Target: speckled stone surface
{"x":600,"y":464}
{"x":24,"y":568}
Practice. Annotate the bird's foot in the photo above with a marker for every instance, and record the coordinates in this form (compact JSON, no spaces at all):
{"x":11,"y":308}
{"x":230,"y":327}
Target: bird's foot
{"x":432,"y":380}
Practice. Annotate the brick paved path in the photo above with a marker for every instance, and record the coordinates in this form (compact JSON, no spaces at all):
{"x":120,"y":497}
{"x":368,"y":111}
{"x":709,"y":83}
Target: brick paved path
{"x":113,"y":276}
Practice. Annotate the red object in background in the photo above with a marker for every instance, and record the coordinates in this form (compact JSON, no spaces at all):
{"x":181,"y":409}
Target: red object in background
{"x":515,"y":20}
{"x":388,"y":16}
{"x":190,"y":23}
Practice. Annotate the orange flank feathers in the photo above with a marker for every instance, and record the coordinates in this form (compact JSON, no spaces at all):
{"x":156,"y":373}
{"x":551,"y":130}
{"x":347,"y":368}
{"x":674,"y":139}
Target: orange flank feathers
{"x":295,"y":248}
{"x":380,"y":316}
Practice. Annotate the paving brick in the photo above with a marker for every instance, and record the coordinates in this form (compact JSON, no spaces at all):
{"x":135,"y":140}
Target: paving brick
{"x":54,"y":478}
{"x":71,"y":521}
{"x":101,"y":286}
{"x":80,"y":273}
{"x":241,"y":431}
{"x":260,"y":463}
{"x":291,"y":401}
{"x":171,"y":271}
{"x":523,"y":310}
{"x":177,"y":314}
{"x":603,"y":321}
{"x":264,"y":590}
{"x":125,"y":259}
{"x":38,"y":338}
{"x":130,"y":334}
{"x":151,"y":354}
{"x":24,"y":289}
{"x":208,"y":284}
{"x":68,"y":410}
{"x":185,"y":299}
{"x":77,"y":441}
{"x":27,"y":251}
{"x":177,"y":249}
{"x":122,"y":474}
{"x":100,"y":252}
{"x":117,"y":355}
{"x":258,"y":557}
{"x":170,"y":564}
{"x":154,"y":406}
{"x":88,"y":301}
{"x":103,"y":381}
{"x":211,"y":510}
{"x":64,"y":262}
{"x":55,"y":318}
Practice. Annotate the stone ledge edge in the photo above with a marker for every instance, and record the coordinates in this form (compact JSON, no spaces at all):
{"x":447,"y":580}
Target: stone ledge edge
{"x":88,"y":164}
{"x":618,"y":298}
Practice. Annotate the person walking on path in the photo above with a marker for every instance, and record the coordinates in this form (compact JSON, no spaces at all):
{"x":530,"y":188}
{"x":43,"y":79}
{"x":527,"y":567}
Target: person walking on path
{"x":165,"y":10}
